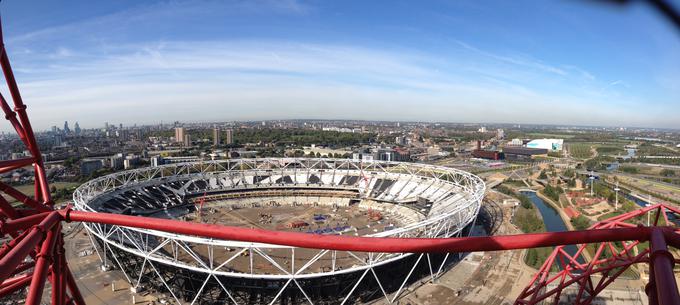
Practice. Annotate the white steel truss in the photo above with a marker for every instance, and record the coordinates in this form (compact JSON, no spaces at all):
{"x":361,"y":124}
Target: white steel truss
{"x":455,"y":195}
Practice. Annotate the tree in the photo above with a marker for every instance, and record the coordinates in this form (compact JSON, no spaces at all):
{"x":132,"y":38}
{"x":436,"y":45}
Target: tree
{"x":667,"y":172}
{"x":525,"y":202}
{"x":629,"y":169}
{"x":531,"y":258}
{"x":571,"y":182}
{"x":70,"y":161}
{"x":580,"y":222}
{"x":627,"y":205}
{"x":542,"y":175}
{"x":552,"y":193}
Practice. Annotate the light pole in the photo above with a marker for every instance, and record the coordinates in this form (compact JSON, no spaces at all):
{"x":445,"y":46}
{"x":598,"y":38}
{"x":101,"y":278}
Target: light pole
{"x":592,"y":181}
{"x":616,"y":190}
{"x":648,"y":205}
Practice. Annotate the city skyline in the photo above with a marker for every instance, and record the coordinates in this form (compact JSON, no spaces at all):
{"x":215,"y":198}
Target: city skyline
{"x":331,"y":121}
{"x":586,"y":65}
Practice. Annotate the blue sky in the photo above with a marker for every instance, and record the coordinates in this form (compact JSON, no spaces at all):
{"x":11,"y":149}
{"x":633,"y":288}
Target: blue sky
{"x":546,"y":62}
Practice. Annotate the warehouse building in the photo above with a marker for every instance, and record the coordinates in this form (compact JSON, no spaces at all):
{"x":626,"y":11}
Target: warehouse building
{"x":523,"y":154}
{"x":549,"y":144}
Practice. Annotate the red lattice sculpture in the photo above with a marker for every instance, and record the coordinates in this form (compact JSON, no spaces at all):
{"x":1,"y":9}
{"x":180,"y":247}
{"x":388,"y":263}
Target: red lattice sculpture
{"x":609,"y":260}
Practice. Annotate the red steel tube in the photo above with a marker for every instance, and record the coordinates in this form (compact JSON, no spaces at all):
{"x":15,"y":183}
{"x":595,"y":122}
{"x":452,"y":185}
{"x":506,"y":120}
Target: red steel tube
{"x":9,"y":289}
{"x":11,"y":116}
{"x":76,"y":297}
{"x":12,"y":226}
{"x":7,"y":209}
{"x":23,"y":267}
{"x":8,"y":165}
{"x":672,"y":238}
{"x":8,"y":246}
{"x":17,"y":254}
{"x":365,"y":244}
{"x":57,"y":277}
{"x":13,"y":280}
{"x":19,"y":106}
{"x":20,"y":109}
{"x":41,"y":180}
{"x":23,"y":198}
{"x":650,"y":288}
{"x":662,"y":261}
{"x":44,"y":259}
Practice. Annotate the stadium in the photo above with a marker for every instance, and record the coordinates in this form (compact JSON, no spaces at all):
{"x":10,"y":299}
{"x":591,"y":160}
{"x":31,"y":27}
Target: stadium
{"x":314,"y":196}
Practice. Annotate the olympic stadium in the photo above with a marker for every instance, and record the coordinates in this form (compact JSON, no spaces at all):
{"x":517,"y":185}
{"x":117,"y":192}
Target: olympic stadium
{"x":314,"y":196}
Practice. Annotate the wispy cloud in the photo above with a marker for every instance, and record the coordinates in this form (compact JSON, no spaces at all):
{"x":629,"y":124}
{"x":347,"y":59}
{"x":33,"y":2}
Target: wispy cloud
{"x":525,"y":61}
{"x":74,"y":72}
{"x":211,"y":80}
{"x":149,"y":14}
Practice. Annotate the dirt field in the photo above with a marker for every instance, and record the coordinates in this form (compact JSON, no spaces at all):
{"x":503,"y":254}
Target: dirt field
{"x":280,"y":215}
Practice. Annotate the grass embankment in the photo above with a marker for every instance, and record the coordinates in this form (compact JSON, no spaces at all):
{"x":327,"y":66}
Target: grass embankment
{"x":580,"y":151}
{"x":61,"y":191}
{"x":610,"y":150}
{"x":528,"y":220}
{"x":647,"y":192}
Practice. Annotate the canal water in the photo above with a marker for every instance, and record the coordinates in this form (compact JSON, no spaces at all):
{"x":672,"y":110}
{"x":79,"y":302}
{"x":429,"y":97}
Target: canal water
{"x":637,"y":201}
{"x":671,"y":217}
{"x":551,"y":218}
{"x":643,"y":203}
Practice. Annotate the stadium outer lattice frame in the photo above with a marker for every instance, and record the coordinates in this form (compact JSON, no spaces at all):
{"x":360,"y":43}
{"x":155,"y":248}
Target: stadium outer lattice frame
{"x":454,"y":199}
{"x":34,"y":255}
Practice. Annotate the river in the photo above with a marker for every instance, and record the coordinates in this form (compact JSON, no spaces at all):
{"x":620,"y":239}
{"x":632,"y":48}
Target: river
{"x":551,"y":218}
{"x":642,"y":203}
{"x":627,"y":195}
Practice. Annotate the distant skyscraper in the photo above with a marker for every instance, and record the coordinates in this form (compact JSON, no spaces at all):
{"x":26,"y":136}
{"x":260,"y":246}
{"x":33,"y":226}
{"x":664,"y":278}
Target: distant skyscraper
{"x":187,"y":140}
{"x":76,"y":128}
{"x":106,"y":125}
{"x":138,"y":134}
{"x":54,"y":129}
{"x":120,"y":126}
{"x":122,"y":134}
{"x":57,"y":140}
{"x":179,"y":134}
{"x":216,"y":136}
{"x":229,"y":137}
{"x":500,"y":134}
{"x":66,"y":129}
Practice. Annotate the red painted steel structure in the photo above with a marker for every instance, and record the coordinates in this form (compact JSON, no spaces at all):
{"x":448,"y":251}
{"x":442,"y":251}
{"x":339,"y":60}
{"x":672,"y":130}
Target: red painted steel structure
{"x":35,"y":254}
{"x":591,"y":273}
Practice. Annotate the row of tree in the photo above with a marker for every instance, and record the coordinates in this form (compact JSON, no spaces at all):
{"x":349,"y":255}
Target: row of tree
{"x":553,"y":192}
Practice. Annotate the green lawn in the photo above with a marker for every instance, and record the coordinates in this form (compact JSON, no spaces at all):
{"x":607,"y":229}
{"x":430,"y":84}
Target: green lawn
{"x":28,"y":189}
{"x":610,"y":150}
{"x":549,"y":135}
{"x":580,"y":151}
